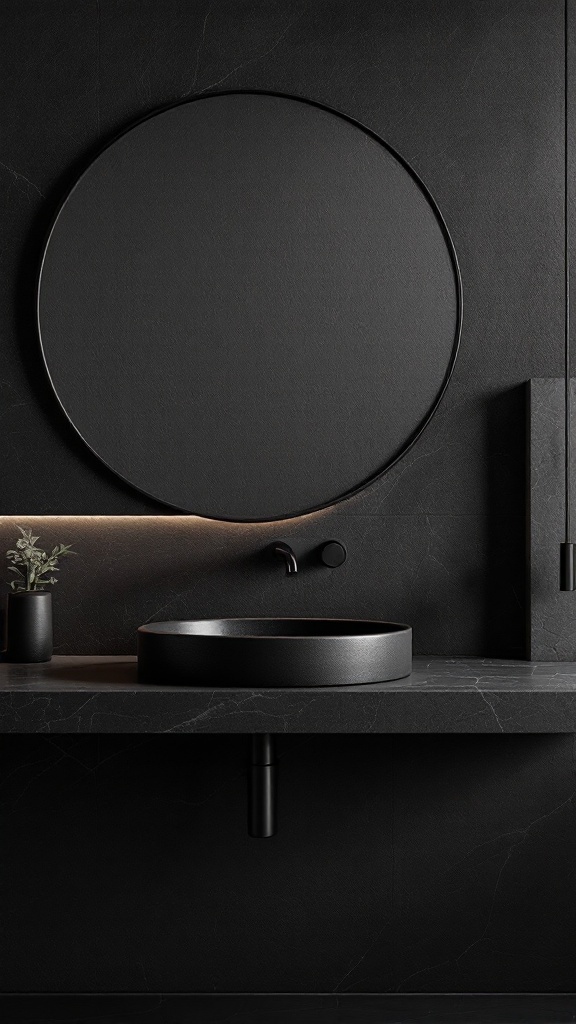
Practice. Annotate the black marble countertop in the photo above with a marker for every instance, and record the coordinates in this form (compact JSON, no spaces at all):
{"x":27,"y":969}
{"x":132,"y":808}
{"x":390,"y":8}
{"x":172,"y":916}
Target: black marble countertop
{"x":443,"y":695}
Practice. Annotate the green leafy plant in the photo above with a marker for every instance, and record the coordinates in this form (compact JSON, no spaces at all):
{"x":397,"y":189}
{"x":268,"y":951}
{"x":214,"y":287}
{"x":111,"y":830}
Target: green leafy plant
{"x":33,"y":566}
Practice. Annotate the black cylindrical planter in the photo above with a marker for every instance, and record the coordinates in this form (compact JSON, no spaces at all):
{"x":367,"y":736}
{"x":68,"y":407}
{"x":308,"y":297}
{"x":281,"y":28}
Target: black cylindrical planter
{"x":29,"y":626}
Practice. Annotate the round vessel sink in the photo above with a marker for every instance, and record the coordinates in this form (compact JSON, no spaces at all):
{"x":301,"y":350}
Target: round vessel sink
{"x":273,"y":652}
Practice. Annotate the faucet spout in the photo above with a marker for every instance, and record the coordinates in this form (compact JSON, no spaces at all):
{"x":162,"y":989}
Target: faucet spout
{"x":282,"y":550}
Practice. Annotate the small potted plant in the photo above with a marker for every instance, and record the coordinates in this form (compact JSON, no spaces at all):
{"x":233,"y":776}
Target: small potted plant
{"x":29,"y":611}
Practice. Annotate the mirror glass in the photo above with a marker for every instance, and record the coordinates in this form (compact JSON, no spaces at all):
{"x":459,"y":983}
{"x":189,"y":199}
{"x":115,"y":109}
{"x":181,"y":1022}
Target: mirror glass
{"x":249,"y":306}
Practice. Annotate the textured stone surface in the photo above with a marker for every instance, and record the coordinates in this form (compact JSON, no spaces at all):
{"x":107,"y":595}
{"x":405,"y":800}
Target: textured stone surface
{"x":452,"y":695}
{"x":449,"y":577}
{"x":158,"y":1008}
{"x":439,"y":863}
{"x":552,"y":613}
{"x":401,"y":864}
{"x":472,"y":97}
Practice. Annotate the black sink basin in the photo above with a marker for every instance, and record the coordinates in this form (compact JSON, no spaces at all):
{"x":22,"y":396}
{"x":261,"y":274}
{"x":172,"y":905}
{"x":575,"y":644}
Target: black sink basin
{"x":273,"y":652}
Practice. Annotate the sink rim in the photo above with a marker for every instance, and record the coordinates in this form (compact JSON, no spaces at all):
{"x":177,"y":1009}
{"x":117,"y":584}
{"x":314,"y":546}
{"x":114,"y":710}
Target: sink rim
{"x":379,"y":628}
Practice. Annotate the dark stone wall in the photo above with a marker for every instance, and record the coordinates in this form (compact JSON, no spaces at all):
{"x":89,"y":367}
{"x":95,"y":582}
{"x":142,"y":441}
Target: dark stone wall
{"x":471,"y":96}
{"x":404,"y":863}
{"x":410,"y":864}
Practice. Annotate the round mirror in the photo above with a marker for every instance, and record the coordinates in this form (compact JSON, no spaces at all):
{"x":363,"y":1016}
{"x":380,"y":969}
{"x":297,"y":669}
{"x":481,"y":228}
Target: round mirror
{"x":249,"y":306}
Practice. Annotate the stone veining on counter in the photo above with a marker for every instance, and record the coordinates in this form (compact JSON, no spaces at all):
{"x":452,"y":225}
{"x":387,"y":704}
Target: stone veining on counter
{"x":443,"y":695}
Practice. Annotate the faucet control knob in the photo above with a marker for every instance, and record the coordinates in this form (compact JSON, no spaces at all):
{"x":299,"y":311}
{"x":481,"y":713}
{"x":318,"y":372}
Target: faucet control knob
{"x":332,"y":553}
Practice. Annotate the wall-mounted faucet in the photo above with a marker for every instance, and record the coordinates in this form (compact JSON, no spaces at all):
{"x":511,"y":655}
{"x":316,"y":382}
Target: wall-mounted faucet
{"x":331,"y":553}
{"x":284,"y":551}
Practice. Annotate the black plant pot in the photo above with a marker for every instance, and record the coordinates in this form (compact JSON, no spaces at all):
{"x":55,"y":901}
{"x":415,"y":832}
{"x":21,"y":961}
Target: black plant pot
{"x":29,"y":626}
